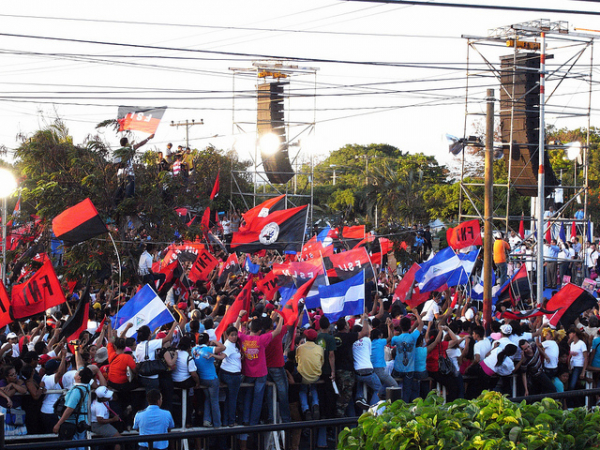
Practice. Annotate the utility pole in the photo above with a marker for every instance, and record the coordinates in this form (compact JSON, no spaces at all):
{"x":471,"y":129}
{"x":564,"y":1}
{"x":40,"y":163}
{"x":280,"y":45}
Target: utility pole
{"x":488,"y":210}
{"x":187,"y":126}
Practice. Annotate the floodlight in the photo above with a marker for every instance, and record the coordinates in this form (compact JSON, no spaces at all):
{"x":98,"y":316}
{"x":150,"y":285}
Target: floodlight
{"x":269,"y":144}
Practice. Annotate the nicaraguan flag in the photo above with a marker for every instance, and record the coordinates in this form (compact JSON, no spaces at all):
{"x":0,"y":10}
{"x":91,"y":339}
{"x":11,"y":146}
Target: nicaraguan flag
{"x":463,"y":272}
{"x":477,"y":290}
{"x":250,"y":266}
{"x":346,"y":298}
{"x":144,"y":308}
{"x":313,"y":298}
{"x":435,"y":273}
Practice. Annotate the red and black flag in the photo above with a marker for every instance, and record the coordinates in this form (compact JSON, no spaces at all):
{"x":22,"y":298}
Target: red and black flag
{"x":377,"y":248}
{"x":517,"y":289}
{"x":262,"y":210}
{"x":36,"y":295}
{"x":140,"y":118}
{"x":215,"y":190}
{"x":520,"y":315}
{"x":241,"y":303}
{"x":299,"y":271}
{"x":345,"y":265}
{"x":78,"y":322}
{"x":569,"y":302}
{"x":78,"y":223}
{"x":205,"y":222}
{"x":350,"y":236}
{"x":279,"y":230}
{"x":231,"y":266}
{"x":5,"y":317}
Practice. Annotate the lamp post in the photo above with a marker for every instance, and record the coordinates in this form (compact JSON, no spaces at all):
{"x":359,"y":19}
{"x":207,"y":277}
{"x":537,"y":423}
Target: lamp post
{"x":8,"y":184}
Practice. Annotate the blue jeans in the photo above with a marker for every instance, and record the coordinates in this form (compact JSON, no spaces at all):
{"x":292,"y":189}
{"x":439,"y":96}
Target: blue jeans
{"x":253,"y":402}
{"x":502,"y":269}
{"x":278,"y":376}
{"x":79,"y":437}
{"x":212,"y":412}
{"x":233,"y":382}
{"x":386,"y":381}
{"x":574,"y":378}
{"x":372,"y":381}
{"x":303,"y":394}
{"x":410,"y":385}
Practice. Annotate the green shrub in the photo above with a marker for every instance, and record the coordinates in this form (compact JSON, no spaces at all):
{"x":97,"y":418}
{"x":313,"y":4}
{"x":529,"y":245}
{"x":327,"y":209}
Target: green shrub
{"x":489,"y":422}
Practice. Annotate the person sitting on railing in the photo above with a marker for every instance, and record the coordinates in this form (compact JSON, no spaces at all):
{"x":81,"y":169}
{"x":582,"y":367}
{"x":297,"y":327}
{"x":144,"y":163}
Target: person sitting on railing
{"x":535,"y":381}
{"x":497,"y":363}
{"x":10,"y":384}
{"x":101,"y":415}
{"x":205,"y":354}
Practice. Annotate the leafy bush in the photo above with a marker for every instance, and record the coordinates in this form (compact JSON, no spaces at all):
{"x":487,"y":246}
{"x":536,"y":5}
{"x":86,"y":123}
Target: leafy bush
{"x":489,"y":422}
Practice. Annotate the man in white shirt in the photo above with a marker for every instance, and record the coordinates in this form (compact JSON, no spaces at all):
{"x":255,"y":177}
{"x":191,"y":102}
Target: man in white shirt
{"x":514,"y":240}
{"x":363,"y":368}
{"x":591,"y":259}
{"x":431,"y":309}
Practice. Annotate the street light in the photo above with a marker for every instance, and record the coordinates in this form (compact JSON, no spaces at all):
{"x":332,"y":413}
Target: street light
{"x":8,"y":184}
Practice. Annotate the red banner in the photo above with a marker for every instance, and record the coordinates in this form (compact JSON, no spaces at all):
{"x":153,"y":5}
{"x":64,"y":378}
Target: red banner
{"x":140,"y":119}
{"x":40,"y":292}
{"x":5,"y":318}
{"x":242,"y":303}
{"x":187,"y":252}
{"x":269,"y":285}
{"x":464,"y":235}
{"x":203,"y":266}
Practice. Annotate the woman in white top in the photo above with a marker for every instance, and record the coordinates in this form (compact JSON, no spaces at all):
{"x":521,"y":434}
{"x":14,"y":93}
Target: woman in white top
{"x":231,"y":374}
{"x":497,"y":363}
{"x":551,"y":351}
{"x":55,"y":369}
{"x":185,"y":375}
{"x":578,"y":357}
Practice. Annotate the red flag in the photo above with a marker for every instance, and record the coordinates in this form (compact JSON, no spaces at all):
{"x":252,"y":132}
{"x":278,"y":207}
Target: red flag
{"x":241,"y":303}
{"x":203,"y":266}
{"x":99,"y":329}
{"x":186,"y":252}
{"x":78,"y":223}
{"x":40,"y":292}
{"x":269,"y":285}
{"x":406,"y":292}
{"x":549,"y":233}
{"x":290,"y":311}
{"x":522,"y":229}
{"x":215,"y":190}
{"x":16,"y":212}
{"x":205,"y":222}
{"x":181,"y":290}
{"x":573,"y":229}
{"x":171,"y":270}
{"x":140,"y":119}
{"x":464,"y":235}
{"x":570,"y":302}
{"x":5,"y":318}
{"x":346,"y":264}
{"x":454,"y":299}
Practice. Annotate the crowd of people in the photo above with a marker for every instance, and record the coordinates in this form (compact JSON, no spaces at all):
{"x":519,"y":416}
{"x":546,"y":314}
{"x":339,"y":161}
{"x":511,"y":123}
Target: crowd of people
{"x":326,"y":368}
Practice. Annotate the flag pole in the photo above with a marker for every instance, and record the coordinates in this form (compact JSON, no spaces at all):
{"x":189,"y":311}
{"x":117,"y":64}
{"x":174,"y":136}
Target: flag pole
{"x":120,"y":274}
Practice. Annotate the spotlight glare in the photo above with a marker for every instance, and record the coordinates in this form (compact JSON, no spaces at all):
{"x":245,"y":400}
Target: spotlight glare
{"x":269,"y":144}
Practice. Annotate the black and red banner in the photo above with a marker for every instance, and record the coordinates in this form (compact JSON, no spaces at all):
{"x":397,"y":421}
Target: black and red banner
{"x":347,"y":264}
{"x":215,"y":190}
{"x":262,"y":210}
{"x":569,"y":302}
{"x":78,"y":223}
{"x":78,"y":322}
{"x":269,"y":285}
{"x":231,"y":266}
{"x":517,"y":288}
{"x":140,"y":118}
{"x":279,"y":230}
{"x":36,"y":295}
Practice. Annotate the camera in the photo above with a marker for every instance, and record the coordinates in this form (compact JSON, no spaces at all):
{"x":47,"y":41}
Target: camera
{"x":83,"y":426}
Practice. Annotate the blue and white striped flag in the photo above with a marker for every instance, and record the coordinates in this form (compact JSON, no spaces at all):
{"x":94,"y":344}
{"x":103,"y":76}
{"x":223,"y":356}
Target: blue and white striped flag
{"x":346,"y":298}
{"x":144,"y":308}
{"x":435,"y":273}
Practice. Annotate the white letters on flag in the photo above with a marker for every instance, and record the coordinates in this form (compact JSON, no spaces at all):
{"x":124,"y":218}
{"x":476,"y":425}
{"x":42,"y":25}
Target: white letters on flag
{"x":144,"y":308}
{"x":346,"y":298}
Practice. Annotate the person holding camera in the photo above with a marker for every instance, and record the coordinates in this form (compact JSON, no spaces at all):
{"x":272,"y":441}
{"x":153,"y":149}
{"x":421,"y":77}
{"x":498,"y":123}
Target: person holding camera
{"x":74,"y":421}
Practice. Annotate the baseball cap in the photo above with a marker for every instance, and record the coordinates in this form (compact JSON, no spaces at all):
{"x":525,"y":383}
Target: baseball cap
{"x":104,"y":392}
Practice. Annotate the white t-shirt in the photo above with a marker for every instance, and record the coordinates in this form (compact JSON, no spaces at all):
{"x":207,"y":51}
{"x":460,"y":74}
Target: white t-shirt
{"x":50,"y":399}
{"x":361,"y":351}
{"x":140,"y":351}
{"x":226,"y":224}
{"x":454,"y":354}
{"x":551,"y":349}
{"x":68,"y":379}
{"x":577,"y":349}
{"x":515,"y":340}
{"x":99,"y":409}
{"x":184,"y":367}
{"x":233,"y":358}
{"x":430,"y":309}
{"x":506,"y":368}
{"x":482,"y":348}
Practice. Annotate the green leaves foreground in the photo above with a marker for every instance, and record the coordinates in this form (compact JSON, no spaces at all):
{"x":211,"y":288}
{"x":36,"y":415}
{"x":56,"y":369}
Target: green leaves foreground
{"x":488,"y":422}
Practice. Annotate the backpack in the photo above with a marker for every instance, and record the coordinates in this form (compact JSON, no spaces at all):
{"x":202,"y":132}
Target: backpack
{"x":59,"y":406}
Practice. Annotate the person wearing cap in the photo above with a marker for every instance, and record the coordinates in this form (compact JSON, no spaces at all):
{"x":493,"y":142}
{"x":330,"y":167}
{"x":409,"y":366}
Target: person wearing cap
{"x":11,"y":347}
{"x":505,"y":332}
{"x":309,"y":357}
{"x":101,"y":414}
{"x":55,"y":369}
